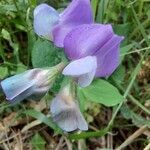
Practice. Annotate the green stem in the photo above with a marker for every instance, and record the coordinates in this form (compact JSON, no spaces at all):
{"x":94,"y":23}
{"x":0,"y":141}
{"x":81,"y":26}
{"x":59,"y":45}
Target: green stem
{"x":84,"y":135}
{"x":2,"y":51}
{"x":133,"y":100}
{"x":139,"y":104}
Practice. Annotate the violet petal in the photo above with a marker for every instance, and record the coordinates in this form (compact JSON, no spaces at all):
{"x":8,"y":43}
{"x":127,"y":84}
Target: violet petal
{"x":77,"y":13}
{"x":108,"y":62}
{"x":86,"y":40}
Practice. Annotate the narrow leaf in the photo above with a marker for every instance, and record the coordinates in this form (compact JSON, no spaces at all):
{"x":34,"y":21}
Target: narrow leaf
{"x":44,"y":119}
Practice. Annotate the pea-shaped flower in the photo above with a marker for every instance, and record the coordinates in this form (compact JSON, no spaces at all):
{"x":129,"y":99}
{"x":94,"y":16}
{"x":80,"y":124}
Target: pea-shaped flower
{"x":55,"y":26}
{"x":94,"y":52}
{"x":66,"y":113}
{"x":32,"y":84}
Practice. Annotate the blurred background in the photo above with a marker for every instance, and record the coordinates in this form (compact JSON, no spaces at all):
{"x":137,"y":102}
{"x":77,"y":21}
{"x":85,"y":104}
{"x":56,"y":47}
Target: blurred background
{"x":20,"y":49}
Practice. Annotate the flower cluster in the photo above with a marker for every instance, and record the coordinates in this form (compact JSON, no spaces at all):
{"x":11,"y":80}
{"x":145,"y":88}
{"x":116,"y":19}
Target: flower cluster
{"x":92,"y":49}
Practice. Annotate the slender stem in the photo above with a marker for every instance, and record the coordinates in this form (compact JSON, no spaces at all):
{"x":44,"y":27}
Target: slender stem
{"x":54,"y":71}
{"x":131,"y":138}
{"x":147,"y":147}
{"x":136,"y":51}
{"x":28,"y":50}
{"x":60,"y":66}
{"x":2,"y":51}
{"x":139,"y":104}
{"x":133,"y":99}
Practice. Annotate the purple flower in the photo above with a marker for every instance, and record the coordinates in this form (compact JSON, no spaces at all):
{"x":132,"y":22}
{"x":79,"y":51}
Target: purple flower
{"x":55,"y":26}
{"x":32,"y":84}
{"x":66,"y":113}
{"x":94,"y":52}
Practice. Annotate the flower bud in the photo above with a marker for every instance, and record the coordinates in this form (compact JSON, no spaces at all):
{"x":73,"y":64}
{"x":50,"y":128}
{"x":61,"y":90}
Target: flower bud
{"x":32,"y":83}
{"x":66,"y":113}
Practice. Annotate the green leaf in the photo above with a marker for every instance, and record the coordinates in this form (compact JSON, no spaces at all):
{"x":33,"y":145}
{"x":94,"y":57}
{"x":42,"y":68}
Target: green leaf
{"x":119,"y":74}
{"x":101,"y":91}
{"x":33,"y":2}
{"x":38,"y":142}
{"x":57,"y":84}
{"x":122,"y":29}
{"x":3,"y":72}
{"x":44,"y":54}
{"x":20,"y":68}
{"x":4,"y":8}
{"x":6,"y":35}
{"x":44,"y":119}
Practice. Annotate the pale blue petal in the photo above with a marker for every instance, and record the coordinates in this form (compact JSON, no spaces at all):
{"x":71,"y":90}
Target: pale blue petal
{"x":45,"y":18}
{"x":32,"y":84}
{"x":81,"y":122}
{"x":17,"y":87}
{"x":23,"y":95}
{"x":80,"y":66}
{"x":39,"y":92}
{"x":64,"y":115}
{"x":86,"y":79}
{"x":83,"y":70}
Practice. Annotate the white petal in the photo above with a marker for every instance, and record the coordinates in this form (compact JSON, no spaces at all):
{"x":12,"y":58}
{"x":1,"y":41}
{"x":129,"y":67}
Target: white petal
{"x":81,"y":122}
{"x":67,"y":114}
{"x":67,"y":120}
{"x":80,"y":66}
{"x":86,"y":79}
